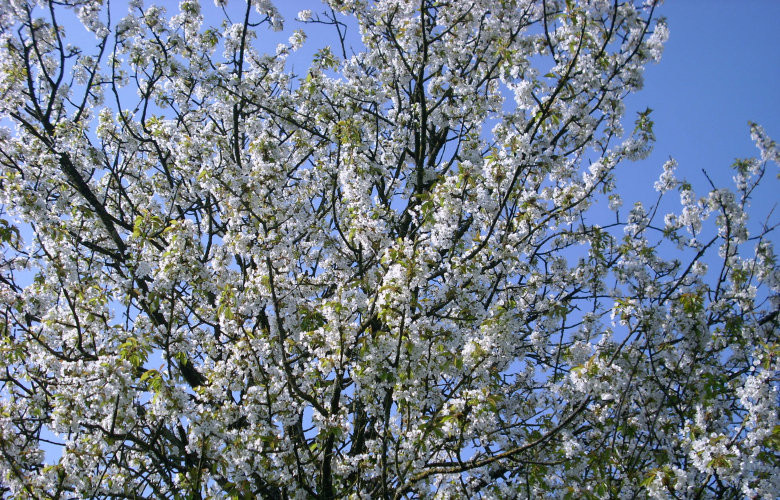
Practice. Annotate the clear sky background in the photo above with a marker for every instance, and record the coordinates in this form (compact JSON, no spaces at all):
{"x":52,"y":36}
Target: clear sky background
{"x":720,"y":69}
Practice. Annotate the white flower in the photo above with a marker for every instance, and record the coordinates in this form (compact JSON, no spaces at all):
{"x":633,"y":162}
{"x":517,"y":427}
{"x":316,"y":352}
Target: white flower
{"x":297,"y":39}
{"x":667,"y":181}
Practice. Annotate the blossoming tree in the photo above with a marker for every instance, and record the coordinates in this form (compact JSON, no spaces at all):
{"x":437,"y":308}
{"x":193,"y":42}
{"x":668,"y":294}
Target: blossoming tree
{"x":403,"y":273}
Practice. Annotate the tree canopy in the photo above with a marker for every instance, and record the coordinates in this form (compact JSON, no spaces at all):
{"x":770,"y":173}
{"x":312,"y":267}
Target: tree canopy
{"x":403,"y":272}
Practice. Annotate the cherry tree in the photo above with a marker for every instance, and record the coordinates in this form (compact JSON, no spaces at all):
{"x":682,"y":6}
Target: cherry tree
{"x":402,"y":273}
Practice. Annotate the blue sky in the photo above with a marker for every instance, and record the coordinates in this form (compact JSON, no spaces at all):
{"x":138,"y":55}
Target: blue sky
{"x":720,"y":69}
